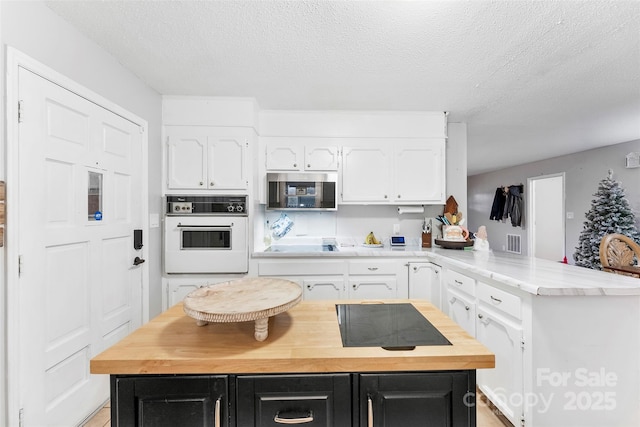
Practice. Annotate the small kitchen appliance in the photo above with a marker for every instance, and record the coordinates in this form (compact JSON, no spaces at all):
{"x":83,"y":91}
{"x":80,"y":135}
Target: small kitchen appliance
{"x":206,"y":234}
{"x":390,"y":326}
{"x":302,"y":191}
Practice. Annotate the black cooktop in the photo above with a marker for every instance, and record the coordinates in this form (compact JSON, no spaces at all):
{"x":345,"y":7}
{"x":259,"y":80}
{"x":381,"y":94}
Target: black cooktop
{"x":391,"y":326}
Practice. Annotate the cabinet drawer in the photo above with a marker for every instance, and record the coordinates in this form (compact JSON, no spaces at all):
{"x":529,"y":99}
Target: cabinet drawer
{"x":460,"y":282}
{"x":358,"y":267}
{"x":501,"y":300}
{"x":306,"y":268}
{"x":311,"y":400}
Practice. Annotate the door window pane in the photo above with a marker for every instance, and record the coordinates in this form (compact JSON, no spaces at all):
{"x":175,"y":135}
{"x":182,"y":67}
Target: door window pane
{"x":94,"y":197}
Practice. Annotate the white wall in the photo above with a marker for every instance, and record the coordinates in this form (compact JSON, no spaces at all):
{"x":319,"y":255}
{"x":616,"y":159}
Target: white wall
{"x":32,"y":28}
{"x":583,"y":171}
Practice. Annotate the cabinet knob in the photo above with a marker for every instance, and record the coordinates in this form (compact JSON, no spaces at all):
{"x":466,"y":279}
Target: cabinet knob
{"x":385,"y":196}
{"x":201,"y":183}
{"x":480,"y":316}
{"x":466,"y":307}
{"x":295,"y":165}
{"x":308,"y":165}
{"x":211,"y":183}
{"x":398,"y":196}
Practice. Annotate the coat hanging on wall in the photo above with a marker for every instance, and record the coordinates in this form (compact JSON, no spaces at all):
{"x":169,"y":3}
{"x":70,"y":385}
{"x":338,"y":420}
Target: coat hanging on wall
{"x":508,"y":202}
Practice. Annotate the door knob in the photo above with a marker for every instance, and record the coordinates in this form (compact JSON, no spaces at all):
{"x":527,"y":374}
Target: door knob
{"x":137,"y":260}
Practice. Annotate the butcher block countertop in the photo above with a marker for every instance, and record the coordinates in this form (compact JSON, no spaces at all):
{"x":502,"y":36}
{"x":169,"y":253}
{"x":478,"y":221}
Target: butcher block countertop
{"x":304,"y":339}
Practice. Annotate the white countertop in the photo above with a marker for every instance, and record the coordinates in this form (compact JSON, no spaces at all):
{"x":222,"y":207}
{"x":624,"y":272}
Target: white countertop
{"x":534,"y":275}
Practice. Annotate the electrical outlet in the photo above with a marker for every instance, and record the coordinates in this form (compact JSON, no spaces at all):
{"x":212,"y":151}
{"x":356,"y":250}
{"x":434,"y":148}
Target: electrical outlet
{"x":396,"y":228}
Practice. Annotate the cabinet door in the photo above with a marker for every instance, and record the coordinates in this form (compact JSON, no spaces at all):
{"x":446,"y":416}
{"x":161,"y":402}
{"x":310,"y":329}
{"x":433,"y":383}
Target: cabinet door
{"x":419,"y":172}
{"x":284,"y":158}
{"x":320,"y":158}
{"x":177,"y":292}
{"x":311,"y":400}
{"x":505,"y":381}
{"x":417,"y":399}
{"x":323,"y":288}
{"x":462,"y":310}
{"x":169,"y":401}
{"x":424,"y":282}
{"x":366,"y":174}
{"x":187,"y":162}
{"x":373,"y":287}
{"x":227,"y":163}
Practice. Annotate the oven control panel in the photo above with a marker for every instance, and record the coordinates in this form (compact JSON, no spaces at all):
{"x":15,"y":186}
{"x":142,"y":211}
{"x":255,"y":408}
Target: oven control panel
{"x":207,"y":205}
{"x":181,"y":207}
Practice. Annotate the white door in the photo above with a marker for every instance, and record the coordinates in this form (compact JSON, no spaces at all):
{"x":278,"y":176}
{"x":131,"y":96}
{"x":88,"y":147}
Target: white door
{"x":547,"y":217}
{"x":80,"y":199}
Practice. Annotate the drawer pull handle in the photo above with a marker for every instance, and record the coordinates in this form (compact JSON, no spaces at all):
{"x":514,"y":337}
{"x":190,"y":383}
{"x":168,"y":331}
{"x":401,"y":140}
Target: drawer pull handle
{"x":369,"y":412}
{"x":457,"y":282}
{"x":311,"y":286}
{"x":496,"y":299}
{"x":217,"y":413}
{"x":372,"y":268}
{"x":299,"y":420}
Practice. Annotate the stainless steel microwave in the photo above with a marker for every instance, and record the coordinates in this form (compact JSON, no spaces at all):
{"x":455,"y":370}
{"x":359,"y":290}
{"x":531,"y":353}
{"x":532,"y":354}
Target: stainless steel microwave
{"x":302,"y":191}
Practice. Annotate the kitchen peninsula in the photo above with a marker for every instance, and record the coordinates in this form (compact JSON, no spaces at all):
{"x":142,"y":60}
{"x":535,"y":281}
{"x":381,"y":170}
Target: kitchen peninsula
{"x":171,"y":369}
{"x":566,"y":338}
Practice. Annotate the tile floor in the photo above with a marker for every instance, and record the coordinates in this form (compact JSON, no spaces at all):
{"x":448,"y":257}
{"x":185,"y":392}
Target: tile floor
{"x":486,"y":416}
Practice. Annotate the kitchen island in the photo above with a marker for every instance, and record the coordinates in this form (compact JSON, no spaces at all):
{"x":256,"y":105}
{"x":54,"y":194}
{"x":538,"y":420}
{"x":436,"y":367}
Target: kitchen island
{"x":171,"y":369}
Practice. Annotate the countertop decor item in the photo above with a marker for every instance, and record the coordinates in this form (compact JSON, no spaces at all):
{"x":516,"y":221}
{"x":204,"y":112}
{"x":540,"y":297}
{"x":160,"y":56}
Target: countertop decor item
{"x":248,"y":299}
{"x":449,"y":244}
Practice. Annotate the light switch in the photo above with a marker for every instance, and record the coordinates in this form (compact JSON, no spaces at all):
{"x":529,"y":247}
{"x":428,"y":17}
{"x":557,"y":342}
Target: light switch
{"x":154,"y":220}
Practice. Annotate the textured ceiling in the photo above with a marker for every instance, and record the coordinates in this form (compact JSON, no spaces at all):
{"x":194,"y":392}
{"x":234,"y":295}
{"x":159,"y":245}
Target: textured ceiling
{"x":532,"y":79}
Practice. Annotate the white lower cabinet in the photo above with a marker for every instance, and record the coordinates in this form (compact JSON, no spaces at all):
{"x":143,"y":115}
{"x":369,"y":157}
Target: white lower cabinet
{"x":374,"y":279}
{"x":424,"y":282}
{"x":503,"y":385}
{"x":462,"y":309}
{"x":323,"y":279}
{"x":176,"y":288}
{"x":367,"y":287}
{"x":323,"y":288}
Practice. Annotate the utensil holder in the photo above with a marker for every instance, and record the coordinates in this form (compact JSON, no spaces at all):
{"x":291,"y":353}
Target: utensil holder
{"x":426,"y":240}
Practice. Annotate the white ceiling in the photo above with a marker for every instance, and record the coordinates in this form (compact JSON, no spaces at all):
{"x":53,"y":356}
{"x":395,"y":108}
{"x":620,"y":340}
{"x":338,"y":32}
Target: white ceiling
{"x":532,"y":79}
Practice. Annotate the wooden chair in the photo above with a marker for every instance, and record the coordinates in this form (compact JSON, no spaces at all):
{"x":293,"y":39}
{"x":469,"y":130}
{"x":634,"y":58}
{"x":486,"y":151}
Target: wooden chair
{"x":620,"y":254}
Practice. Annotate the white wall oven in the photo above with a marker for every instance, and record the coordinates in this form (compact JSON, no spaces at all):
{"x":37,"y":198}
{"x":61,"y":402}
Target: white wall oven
{"x":206,"y":234}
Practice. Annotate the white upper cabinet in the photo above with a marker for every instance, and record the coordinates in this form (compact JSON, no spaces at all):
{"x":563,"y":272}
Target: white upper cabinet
{"x":187,"y":160}
{"x":284,"y":158}
{"x":419,"y":172}
{"x":300,"y":154}
{"x":394,"y":171}
{"x":227,"y":163}
{"x":201,"y":158}
{"x":320,"y":158}
{"x":366,"y":174}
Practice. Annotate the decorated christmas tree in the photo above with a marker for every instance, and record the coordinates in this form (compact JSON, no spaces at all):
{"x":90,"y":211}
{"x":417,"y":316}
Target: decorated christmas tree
{"x":610,"y":213}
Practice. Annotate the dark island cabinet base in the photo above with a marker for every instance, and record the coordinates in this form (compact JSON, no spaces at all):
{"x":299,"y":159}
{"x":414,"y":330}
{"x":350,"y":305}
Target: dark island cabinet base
{"x":417,"y":399}
{"x":185,"y":401}
{"x":386,"y":399}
